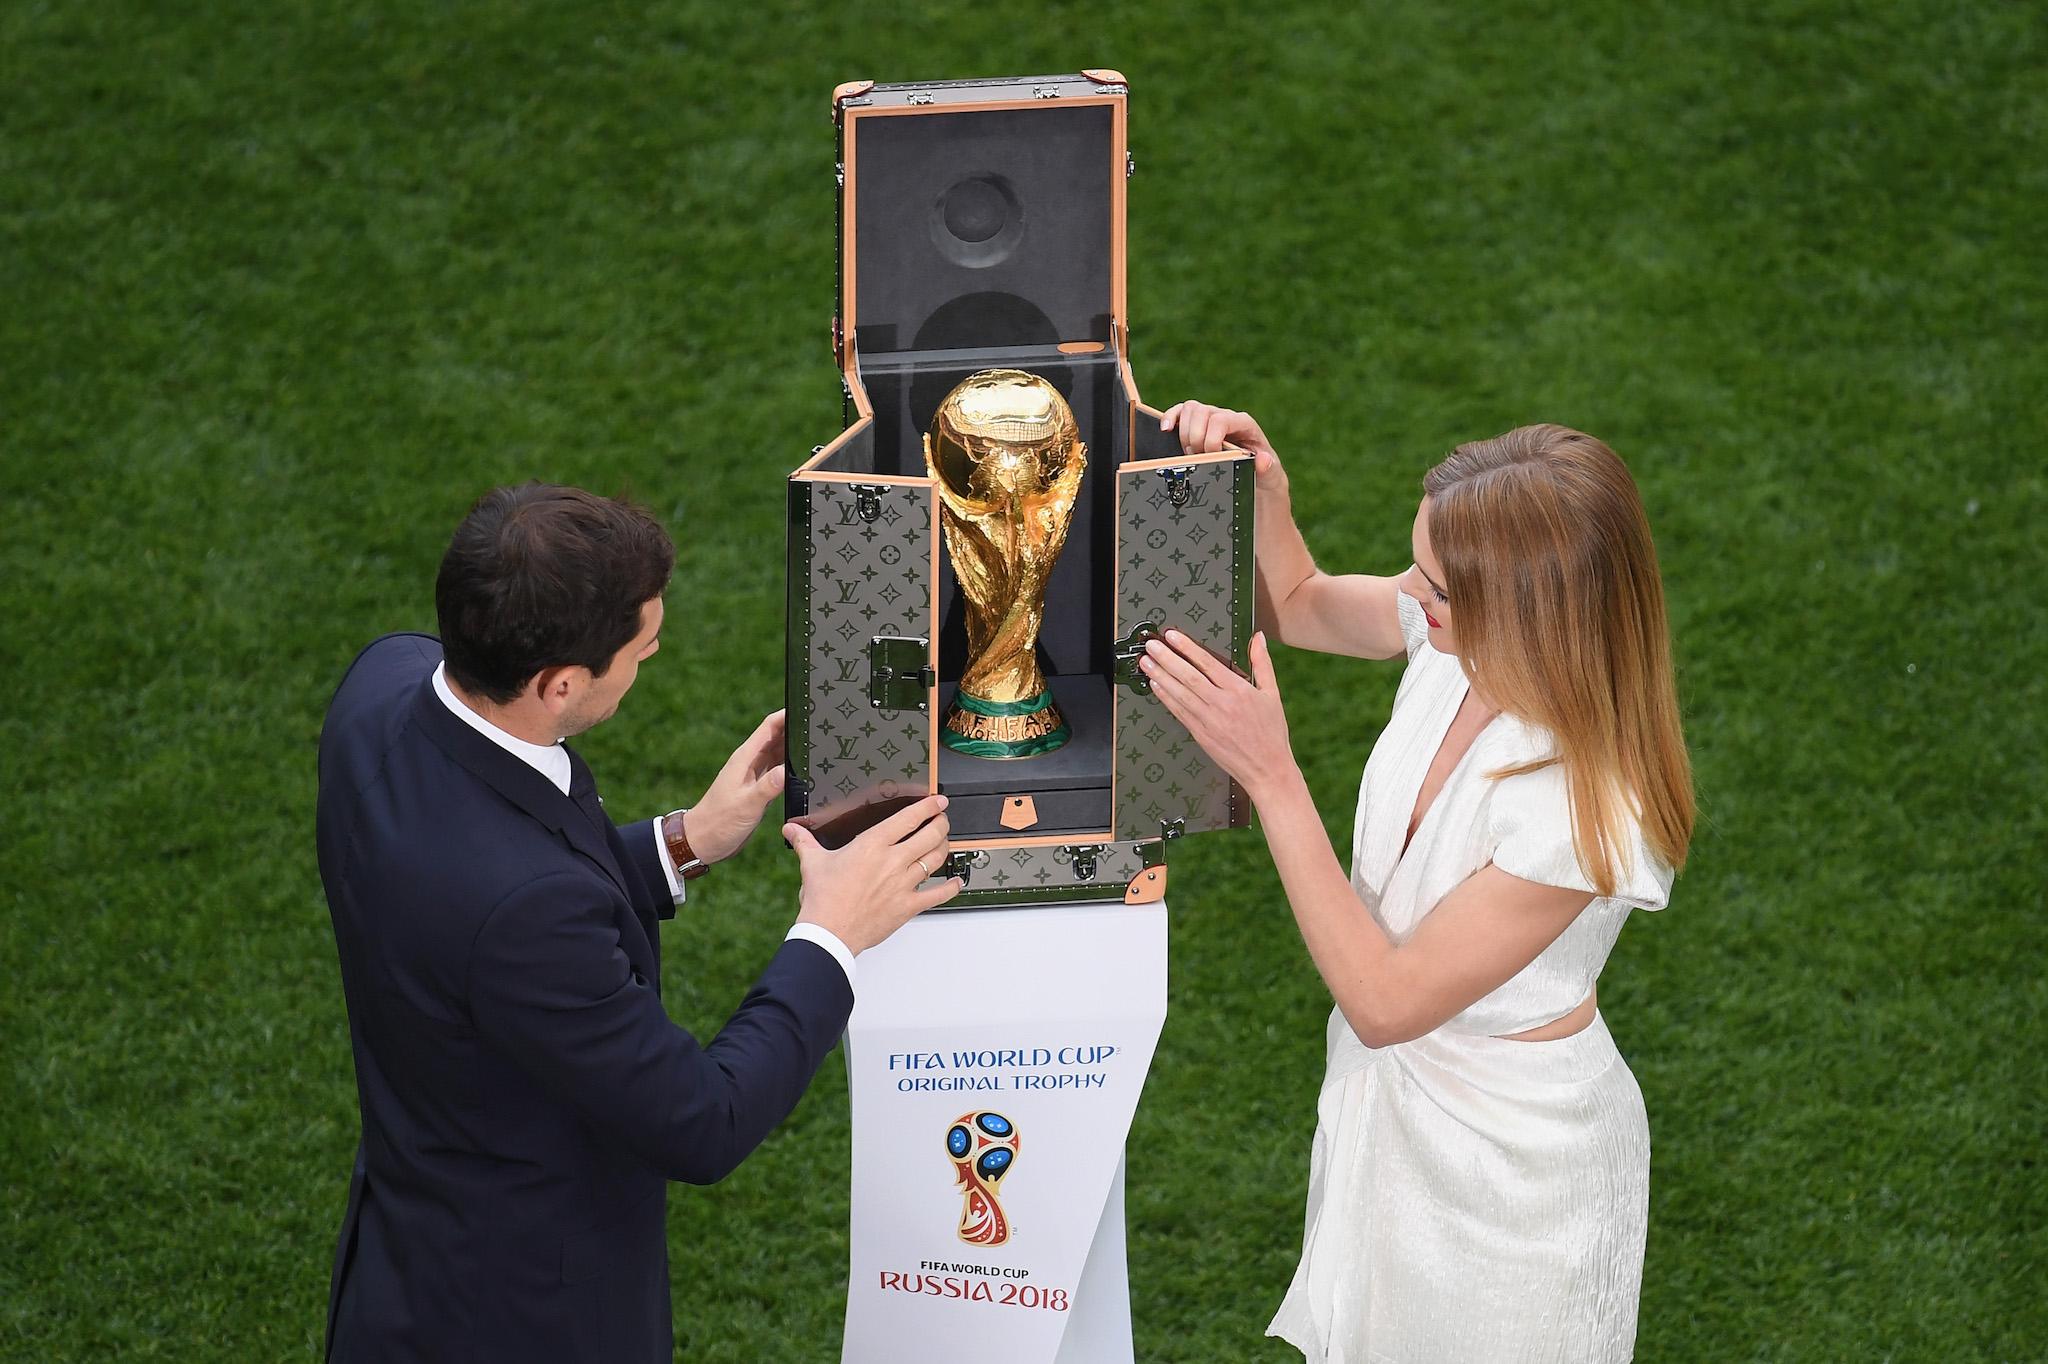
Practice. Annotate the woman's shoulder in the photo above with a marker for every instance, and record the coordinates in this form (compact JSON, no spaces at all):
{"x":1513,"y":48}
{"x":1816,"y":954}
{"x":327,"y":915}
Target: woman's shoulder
{"x":1529,"y":790}
{"x":1530,"y":826}
{"x":1511,"y":741}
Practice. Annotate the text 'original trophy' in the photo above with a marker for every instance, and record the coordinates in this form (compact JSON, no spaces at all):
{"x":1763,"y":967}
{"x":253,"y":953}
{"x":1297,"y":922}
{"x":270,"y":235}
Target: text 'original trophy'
{"x":1005,"y":455}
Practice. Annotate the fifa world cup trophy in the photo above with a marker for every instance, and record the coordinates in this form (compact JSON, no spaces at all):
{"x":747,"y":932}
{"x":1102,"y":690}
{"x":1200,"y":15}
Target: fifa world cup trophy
{"x":1006,"y":455}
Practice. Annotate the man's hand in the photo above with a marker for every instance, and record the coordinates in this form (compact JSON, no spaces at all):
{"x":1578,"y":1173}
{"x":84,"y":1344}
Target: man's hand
{"x":868,"y":889}
{"x":731,"y":810}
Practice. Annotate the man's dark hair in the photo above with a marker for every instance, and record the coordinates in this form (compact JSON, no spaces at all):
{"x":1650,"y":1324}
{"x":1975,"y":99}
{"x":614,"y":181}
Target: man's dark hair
{"x":541,"y":576}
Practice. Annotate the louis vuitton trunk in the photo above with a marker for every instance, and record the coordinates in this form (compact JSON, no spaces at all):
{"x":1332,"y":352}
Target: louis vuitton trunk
{"x":981,"y":226}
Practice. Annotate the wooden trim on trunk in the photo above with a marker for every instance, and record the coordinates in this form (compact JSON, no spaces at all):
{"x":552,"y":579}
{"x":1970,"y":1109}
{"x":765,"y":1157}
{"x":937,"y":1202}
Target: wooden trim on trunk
{"x":1228,"y":452}
{"x":849,"y":309}
{"x":1118,"y":184}
{"x":847,"y":90}
{"x":866,"y":412}
{"x":979,"y":106}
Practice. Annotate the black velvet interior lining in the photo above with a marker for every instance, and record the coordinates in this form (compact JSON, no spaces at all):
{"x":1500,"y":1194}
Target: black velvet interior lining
{"x":986,"y":228}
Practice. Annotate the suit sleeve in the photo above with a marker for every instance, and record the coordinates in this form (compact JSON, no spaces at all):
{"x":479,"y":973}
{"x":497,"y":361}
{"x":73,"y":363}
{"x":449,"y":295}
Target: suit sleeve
{"x":550,"y":986}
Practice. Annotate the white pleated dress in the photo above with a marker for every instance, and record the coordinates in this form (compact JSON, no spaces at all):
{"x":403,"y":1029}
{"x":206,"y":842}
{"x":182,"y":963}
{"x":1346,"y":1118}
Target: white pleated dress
{"x":1473,"y":1199}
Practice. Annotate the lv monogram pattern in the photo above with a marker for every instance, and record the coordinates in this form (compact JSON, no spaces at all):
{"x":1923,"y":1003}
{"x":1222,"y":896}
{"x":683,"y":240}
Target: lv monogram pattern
{"x":866,"y":578}
{"x":1176,"y":566}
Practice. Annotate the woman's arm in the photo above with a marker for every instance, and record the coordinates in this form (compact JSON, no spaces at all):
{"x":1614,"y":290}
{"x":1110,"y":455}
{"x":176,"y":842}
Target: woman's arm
{"x":1477,"y":938}
{"x":1298,"y":604}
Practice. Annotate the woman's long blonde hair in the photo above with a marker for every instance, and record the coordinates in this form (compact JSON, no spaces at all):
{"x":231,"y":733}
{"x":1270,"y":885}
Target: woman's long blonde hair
{"x":1558,"y":607}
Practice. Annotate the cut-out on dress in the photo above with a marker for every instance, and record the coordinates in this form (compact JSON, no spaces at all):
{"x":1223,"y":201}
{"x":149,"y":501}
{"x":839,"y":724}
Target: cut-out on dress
{"x":1475,"y":1199}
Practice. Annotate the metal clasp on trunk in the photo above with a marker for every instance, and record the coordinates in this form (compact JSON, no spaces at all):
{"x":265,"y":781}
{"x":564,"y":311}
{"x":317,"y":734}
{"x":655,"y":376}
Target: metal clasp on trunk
{"x":867,"y":501}
{"x":900,"y":675}
{"x":963,"y":863}
{"x":1084,"y":858}
{"x":1129,"y":650}
{"x":1177,"y":488}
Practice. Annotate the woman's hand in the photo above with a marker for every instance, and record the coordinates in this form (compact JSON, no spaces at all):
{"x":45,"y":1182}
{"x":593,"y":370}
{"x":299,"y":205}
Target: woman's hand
{"x":1204,"y":428}
{"x":1240,"y":724}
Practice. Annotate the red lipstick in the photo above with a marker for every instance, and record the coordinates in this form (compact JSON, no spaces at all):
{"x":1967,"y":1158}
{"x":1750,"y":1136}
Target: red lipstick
{"x":1434,"y":623}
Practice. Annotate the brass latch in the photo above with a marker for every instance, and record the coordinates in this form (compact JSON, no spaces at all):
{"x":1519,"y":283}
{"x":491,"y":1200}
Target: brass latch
{"x":900,"y":675}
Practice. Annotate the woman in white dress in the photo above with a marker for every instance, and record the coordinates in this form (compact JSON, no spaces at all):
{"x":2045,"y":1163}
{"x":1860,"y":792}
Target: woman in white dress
{"x":1479,"y":1180}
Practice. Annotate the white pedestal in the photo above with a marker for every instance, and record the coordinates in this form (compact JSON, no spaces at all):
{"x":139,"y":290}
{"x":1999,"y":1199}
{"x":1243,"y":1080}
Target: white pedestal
{"x":1048,"y":1018}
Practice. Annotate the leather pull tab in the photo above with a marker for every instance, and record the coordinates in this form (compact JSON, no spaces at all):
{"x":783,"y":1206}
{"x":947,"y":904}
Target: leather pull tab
{"x":1019,"y":812}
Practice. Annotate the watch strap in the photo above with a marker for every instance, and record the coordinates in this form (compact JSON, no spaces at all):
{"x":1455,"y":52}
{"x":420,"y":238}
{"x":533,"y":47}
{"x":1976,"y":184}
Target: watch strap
{"x":675,"y":838}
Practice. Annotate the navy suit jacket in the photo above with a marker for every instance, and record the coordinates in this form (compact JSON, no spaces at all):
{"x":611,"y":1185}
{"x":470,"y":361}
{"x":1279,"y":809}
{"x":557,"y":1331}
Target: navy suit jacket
{"x":525,"y":1099}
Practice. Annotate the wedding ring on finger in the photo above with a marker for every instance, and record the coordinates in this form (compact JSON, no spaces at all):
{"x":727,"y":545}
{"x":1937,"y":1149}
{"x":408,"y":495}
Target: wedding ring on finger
{"x":923,"y":868}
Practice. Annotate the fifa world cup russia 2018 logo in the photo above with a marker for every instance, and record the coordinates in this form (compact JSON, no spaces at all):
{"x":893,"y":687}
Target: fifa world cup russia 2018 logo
{"x":983,"y":1146}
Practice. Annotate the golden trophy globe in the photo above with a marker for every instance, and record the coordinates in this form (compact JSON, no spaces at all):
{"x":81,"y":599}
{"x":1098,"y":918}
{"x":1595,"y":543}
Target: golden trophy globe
{"x":1005,"y":454}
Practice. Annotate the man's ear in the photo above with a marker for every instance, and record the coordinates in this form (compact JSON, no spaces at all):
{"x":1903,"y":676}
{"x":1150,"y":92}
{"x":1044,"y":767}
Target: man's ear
{"x":555,"y":688}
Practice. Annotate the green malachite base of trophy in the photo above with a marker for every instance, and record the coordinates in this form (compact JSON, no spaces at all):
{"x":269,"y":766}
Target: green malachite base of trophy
{"x":1004,"y":729}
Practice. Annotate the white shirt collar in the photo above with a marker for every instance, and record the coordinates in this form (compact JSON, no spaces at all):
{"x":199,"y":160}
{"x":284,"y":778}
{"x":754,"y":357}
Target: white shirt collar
{"x":550,"y":760}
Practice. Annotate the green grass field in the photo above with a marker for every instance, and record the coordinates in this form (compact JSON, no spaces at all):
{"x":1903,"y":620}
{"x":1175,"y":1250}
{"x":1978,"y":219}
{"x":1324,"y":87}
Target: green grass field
{"x":284,"y":286}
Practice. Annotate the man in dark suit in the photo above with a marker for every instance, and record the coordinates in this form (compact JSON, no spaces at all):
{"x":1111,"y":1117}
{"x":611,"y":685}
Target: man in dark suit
{"x":525,"y":1099}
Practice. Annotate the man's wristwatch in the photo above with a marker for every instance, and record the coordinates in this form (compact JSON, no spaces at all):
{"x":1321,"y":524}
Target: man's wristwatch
{"x":687,"y":864}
